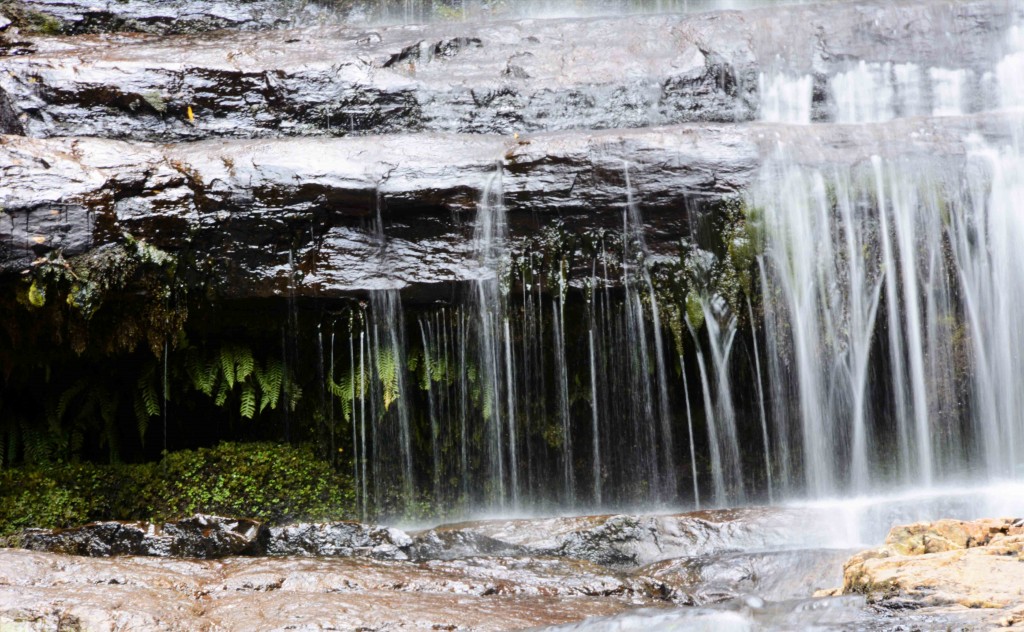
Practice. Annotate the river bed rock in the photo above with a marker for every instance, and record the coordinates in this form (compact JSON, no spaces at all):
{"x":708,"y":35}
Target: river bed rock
{"x":960,"y":567}
{"x":167,"y":17}
{"x":46,"y":591}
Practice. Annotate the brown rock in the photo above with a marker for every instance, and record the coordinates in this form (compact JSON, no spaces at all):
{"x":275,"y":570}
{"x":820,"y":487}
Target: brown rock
{"x":47,"y":591}
{"x":950,"y":565}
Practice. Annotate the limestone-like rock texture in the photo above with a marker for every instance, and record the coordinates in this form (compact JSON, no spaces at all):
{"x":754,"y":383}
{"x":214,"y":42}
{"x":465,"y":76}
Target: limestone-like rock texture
{"x":949,"y":566}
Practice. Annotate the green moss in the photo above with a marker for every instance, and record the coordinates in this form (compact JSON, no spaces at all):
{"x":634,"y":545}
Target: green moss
{"x":30,"y":21}
{"x":266,"y":481}
{"x":694,"y":310}
{"x":36,"y":294}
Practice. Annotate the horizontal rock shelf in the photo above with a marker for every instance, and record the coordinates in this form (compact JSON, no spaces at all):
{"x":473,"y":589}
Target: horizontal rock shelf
{"x":169,"y":16}
{"x":503,"y":77}
{"x":346,"y":215}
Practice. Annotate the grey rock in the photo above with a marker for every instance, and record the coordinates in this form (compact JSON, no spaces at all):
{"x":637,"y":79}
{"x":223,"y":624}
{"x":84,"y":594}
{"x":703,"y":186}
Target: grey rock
{"x":631,"y":541}
{"x":511,"y":77}
{"x":337,"y":539}
{"x":300,"y":215}
{"x":4,"y":22}
{"x":165,"y":17}
{"x":771,"y":575}
{"x":200,"y":536}
{"x":452,"y":544}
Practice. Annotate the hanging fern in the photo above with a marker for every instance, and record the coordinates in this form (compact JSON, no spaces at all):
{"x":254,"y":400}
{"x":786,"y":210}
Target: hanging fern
{"x":203,"y":373}
{"x":270,"y":378}
{"x":226,"y":358}
{"x":35,"y":443}
{"x":222,"y":394}
{"x":147,"y":401}
{"x":244,"y":364}
{"x":247,"y":403}
{"x":387,"y":373}
{"x":351,"y":387}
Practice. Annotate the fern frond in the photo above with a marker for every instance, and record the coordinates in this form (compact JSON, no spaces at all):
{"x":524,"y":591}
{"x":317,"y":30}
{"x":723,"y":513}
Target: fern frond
{"x":244,"y":363}
{"x":387,"y":373}
{"x":227,"y":365}
{"x":222,"y":394}
{"x":269,"y":380}
{"x":141,"y":416}
{"x":146,"y":388}
{"x":345,"y":392}
{"x":35,"y":446}
{"x":67,"y":396}
{"x":247,"y":404}
{"x":202,"y":373}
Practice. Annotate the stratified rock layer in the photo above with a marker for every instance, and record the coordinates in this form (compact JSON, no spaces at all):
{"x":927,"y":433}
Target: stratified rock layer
{"x":503,"y":77}
{"x":326,"y":217}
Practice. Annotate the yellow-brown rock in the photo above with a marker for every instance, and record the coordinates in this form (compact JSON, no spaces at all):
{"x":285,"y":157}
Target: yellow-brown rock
{"x":949,"y":564}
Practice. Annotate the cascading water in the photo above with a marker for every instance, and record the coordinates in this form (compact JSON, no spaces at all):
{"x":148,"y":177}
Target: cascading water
{"x":866,"y":350}
{"x":899,"y":266}
{"x":493,"y":344}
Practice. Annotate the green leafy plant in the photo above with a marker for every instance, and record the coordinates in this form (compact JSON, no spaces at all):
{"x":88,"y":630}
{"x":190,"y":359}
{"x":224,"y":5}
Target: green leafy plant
{"x":233,"y":373}
{"x":265,"y":481}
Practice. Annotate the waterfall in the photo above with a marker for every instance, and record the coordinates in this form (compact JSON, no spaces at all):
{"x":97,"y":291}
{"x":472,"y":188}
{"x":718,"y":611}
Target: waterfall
{"x":880,"y":297}
{"x":393,"y":424}
{"x":493,"y":342}
{"x":662,"y":449}
{"x":898,"y":267}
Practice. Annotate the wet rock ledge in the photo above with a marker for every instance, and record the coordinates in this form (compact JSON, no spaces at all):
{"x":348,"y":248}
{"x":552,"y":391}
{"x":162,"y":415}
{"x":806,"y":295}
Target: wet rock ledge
{"x":950,"y":567}
{"x":501,"y":78}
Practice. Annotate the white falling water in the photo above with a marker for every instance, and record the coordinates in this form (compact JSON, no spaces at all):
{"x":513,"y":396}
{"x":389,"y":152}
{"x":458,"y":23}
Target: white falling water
{"x":987,"y":243}
{"x":662,"y":448}
{"x":493,"y":352}
{"x":947,"y":91}
{"x":935,"y":246}
{"x":721,"y":330}
{"x":1010,"y":70}
{"x":785,"y":99}
{"x":863,"y":94}
{"x":910,"y":87}
{"x":393,"y":425}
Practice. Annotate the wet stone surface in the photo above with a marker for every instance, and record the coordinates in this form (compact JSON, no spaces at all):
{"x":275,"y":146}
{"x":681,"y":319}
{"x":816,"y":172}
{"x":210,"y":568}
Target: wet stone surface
{"x":504,"y":78}
{"x":702,"y":570}
{"x":300,"y":215}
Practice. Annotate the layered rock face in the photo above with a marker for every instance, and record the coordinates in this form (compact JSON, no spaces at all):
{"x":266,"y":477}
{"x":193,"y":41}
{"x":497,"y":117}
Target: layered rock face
{"x":467,"y":101}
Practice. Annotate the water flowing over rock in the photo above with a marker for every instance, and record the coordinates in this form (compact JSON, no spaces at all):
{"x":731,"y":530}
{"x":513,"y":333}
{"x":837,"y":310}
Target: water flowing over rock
{"x":41,"y":591}
{"x":508,"y":267}
{"x":548,"y":570}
